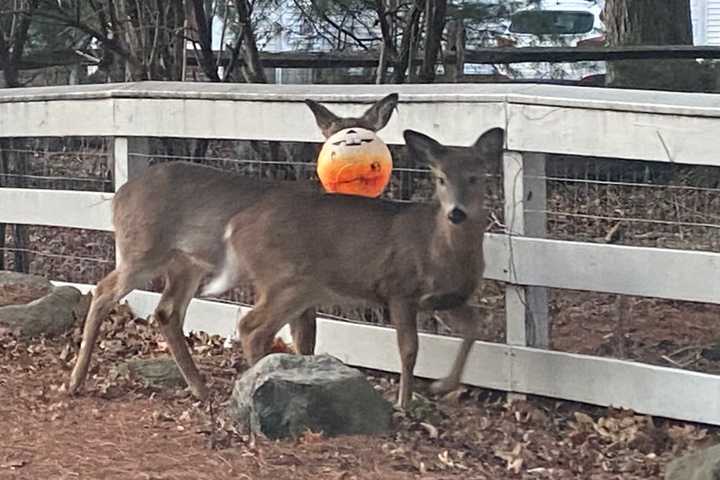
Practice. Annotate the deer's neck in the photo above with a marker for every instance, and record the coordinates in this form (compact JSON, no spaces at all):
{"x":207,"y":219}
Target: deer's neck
{"x":455,"y":264}
{"x":458,"y":243}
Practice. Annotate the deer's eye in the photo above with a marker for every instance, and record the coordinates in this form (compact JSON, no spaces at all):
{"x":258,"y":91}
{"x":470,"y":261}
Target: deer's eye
{"x":440,"y":181}
{"x":472,"y":180}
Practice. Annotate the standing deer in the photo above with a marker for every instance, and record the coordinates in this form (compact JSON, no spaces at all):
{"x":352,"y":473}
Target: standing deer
{"x":303,"y":249}
{"x":170,"y":221}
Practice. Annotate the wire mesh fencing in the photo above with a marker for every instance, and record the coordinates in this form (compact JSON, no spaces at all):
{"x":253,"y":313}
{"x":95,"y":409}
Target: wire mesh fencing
{"x":588,"y":199}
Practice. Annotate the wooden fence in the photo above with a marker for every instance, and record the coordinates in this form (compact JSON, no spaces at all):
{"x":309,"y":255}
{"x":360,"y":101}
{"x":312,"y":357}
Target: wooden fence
{"x":538,"y":119}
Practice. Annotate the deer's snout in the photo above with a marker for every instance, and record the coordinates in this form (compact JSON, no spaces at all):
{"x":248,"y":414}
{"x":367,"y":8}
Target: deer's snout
{"x":457,"y":215}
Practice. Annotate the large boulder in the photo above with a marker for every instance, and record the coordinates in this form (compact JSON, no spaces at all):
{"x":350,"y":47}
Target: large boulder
{"x":698,"y":465}
{"x":285,"y":395}
{"x":50,"y":315}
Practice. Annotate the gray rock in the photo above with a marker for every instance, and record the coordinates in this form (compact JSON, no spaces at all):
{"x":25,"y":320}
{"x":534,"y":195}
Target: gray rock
{"x":285,"y":395}
{"x":698,"y":465}
{"x":156,"y":372}
{"x":20,"y":288}
{"x":51,"y":315}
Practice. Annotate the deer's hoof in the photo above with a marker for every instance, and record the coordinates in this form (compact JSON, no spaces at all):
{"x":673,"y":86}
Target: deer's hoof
{"x":71,"y":389}
{"x":201,"y":393}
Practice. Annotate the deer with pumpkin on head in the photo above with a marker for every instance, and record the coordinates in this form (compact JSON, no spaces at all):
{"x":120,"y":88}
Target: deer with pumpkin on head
{"x":299,"y":251}
{"x":169,"y":223}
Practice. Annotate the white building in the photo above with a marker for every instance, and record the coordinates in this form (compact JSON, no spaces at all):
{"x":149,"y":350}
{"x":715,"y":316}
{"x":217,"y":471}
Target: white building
{"x":706,"y":21}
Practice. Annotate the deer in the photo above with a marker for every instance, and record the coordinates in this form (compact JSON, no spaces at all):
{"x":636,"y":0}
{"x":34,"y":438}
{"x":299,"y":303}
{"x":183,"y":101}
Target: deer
{"x":169,"y":223}
{"x":302,"y":249}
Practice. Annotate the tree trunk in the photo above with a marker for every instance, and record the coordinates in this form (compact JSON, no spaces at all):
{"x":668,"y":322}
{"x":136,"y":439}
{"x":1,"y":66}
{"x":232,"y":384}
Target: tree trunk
{"x":454,"y":70}
{"x":12,"y":49}
{"x":435,"y":12}
{"x":253,"y":69}
{"x":204,"y":34}
{"x":387,"y":49}
{"x":4,"y":167}
{"x":406,"y":45}
{"x":642,"y":22}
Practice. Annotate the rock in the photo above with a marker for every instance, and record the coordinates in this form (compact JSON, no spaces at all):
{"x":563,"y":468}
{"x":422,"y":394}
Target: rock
{"x":156,"y":372}
{"x":20,"y":288}
{"x":51,"y":315}
{"x":285,"y":395}
{"x":698,"y":465}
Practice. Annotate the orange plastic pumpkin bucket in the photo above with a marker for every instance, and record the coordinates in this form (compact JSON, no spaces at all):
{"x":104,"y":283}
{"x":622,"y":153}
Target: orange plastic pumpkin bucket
{"x":355,"y":161}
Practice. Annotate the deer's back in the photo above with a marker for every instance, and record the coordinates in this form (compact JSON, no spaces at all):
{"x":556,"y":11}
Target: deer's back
{"x":182,"y":206}
{"x":354,"y":246}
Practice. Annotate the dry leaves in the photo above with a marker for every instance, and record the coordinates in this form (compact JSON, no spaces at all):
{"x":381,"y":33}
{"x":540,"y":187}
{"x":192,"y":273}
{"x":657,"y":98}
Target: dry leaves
{"x":513,"y":458}
{"x":475,"y":435}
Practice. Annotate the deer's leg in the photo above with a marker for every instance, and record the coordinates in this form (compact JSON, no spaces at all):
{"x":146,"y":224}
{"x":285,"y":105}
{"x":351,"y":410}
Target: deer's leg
{"x":303,"y":330}
{"x":181,"y":283}
{"x":258,"y":327}
{"x":246,"y":325}
{"x":403,"y":316}
{"x":109,"y":290}
{"x":464,"y":321}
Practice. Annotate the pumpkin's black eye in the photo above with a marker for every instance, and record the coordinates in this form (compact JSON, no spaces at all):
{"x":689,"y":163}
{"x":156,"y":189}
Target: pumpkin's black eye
{"x":440,"y":181}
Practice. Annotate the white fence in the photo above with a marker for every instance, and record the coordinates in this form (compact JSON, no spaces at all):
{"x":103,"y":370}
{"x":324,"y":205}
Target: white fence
{"x":680,"y":128}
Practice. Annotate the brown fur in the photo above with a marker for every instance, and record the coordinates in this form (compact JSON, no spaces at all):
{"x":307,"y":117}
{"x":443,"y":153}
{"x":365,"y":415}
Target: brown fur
{"x":170,"y":221}
{"x":303,"y":249}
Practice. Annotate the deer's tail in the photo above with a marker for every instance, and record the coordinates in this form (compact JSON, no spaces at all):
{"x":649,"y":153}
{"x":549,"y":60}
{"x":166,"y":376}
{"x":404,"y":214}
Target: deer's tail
{"x":228,"y":274}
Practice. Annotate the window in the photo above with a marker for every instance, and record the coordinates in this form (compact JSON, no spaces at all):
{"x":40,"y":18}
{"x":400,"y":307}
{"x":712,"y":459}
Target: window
{"x":545,"y":22}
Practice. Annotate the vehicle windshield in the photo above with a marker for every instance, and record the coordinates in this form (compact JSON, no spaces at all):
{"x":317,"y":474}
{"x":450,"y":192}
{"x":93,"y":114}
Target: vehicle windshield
{"x":551,"y":22}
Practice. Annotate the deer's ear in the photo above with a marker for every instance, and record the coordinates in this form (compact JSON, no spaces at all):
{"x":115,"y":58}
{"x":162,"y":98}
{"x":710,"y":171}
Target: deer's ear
{"x":377,"y":116}
{"x":324,"y":118}
{"x":422,"y":147}
{"x":490,"y":144}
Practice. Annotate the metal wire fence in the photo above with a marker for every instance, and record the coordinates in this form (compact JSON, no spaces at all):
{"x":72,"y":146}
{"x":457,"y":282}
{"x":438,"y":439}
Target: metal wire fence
{"x":588,"y":199}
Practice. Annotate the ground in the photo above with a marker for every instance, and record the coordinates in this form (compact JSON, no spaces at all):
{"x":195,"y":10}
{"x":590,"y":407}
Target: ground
{"x":120,"y":428}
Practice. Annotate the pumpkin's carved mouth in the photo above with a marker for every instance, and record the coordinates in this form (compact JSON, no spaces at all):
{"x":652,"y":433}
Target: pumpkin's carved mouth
{"x":364,"y":180}
{"x":366,"y":173}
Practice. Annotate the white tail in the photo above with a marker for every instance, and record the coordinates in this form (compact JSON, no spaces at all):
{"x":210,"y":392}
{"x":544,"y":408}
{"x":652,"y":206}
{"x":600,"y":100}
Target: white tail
{"x":170,"y":223}
{"x":304,"y":249}
{"x":229,"y":274}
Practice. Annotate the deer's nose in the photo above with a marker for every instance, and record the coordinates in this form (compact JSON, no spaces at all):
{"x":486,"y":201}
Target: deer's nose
{"x":457,"y":216}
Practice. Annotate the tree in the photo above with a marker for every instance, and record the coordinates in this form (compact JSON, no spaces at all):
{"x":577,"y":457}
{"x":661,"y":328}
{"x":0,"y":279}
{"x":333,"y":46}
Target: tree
{"x":14,"y":29}
{"x":14,"y":39}
{"x":435,"y":18}
{"x":642,"y":22}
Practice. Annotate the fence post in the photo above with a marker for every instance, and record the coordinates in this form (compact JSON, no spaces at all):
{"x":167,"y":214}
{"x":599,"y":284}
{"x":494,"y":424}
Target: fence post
{"x":125,"y":165}
{"x":526,"y":307}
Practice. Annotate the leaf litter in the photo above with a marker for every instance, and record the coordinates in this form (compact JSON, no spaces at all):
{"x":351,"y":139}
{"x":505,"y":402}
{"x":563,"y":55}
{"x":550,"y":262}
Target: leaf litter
{"x":121,"y":425}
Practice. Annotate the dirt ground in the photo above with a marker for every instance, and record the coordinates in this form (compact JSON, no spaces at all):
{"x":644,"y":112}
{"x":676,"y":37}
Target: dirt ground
{"x":120,"y":428}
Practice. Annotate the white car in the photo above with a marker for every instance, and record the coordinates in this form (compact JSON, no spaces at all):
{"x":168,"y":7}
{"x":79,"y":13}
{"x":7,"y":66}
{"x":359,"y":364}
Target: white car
{"x":555,"y":23}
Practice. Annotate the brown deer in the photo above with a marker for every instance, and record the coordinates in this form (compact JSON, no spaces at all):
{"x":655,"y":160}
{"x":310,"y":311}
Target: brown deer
{"x":170,"y":221}
{"x":304,"y":249}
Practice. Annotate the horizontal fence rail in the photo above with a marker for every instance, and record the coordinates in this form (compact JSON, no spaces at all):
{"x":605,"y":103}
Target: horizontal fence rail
{"x":491,"y":55}
{"x":538,"y":119}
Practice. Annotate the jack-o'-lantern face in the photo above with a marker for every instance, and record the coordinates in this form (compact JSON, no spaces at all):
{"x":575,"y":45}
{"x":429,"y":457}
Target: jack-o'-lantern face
{"x":355,"y":161}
